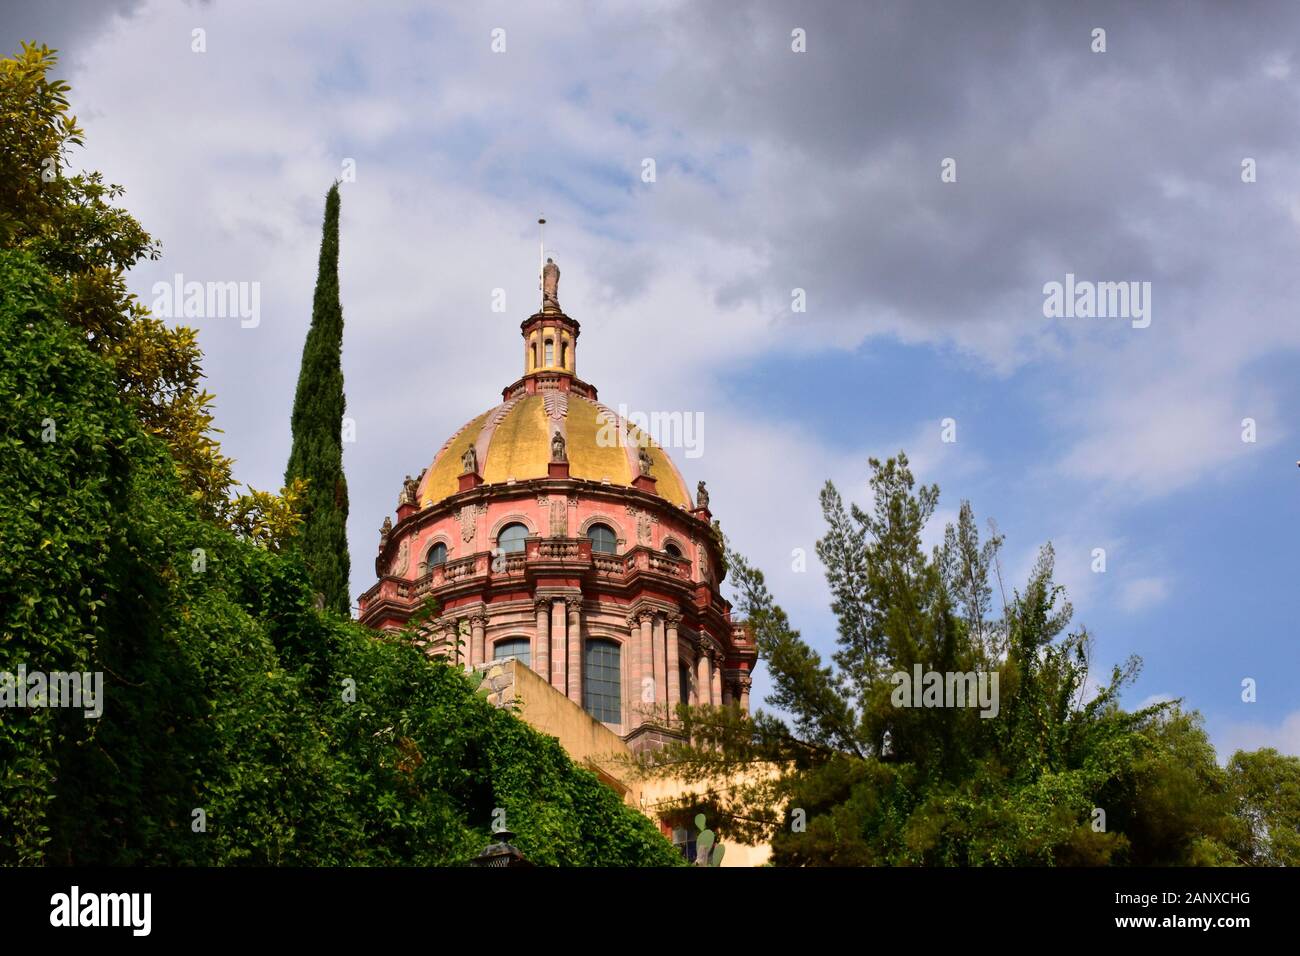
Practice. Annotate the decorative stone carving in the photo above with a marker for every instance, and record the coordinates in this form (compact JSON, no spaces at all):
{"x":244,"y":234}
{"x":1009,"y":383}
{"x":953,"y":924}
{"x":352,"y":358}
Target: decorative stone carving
{"x":558,"y":452}
{"x":403,"y":558}
{"x":701,"y":496}
{"x":559,"y":517}
{"x":557,"y":405}
{"x":385,"y":530}
{"x":469,"y":461}
{"x":409,"y":486}
{"x":468,"y":516}
{"x":643,"y":458}
{"x":551,"y":284}
{"x":645,"y":522}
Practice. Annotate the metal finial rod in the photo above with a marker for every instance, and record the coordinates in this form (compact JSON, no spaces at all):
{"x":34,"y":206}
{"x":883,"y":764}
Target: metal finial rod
{"x":541,"y":250}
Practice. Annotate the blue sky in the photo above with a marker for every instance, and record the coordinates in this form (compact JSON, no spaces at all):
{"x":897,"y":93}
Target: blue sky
{"x":1226,"y":600}
{"x":777,"y":171}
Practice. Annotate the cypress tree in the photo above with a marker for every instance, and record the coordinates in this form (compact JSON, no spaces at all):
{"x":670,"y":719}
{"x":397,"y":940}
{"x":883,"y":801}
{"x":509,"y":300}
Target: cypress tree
{"x":317,"y":453}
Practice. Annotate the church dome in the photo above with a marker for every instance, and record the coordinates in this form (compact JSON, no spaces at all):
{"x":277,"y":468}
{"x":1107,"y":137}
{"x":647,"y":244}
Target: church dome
{"x":552,"y":530}
{"x":512,"y":442}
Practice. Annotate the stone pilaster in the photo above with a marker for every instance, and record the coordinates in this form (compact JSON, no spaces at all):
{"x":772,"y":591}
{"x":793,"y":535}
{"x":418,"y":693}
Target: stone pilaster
{"x":647,"y":659}
{"x":661,"y":678}
{"x":542,"y":638}
{"x":559,"y":646}
{"x":672,"y":664}
{"x":575,"y":649}
{"x":704,"y":678}
{"x":478,"y":632}
{"x":451,"y":636}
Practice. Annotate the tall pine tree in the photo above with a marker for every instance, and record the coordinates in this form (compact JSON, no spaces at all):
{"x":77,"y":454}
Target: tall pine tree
{"x":318,"y":406}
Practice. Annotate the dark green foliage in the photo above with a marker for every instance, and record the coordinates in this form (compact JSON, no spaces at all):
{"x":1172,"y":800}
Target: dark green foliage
{"x":225,"y":690}
{"x":318,"y":406}
{"x":1265,"y":787}
{"x":1060,"y":775}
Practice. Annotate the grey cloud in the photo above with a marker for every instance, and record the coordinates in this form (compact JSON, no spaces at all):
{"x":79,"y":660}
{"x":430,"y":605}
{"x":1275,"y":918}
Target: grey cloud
{"x":64,"y":25}
{"x":1063,"y":155}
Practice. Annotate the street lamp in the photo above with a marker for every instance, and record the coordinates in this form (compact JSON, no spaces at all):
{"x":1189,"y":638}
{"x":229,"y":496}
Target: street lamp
{"x":500,"y":852}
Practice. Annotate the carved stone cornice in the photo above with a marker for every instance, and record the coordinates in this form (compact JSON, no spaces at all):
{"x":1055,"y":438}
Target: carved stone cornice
{"x":710,"y":647}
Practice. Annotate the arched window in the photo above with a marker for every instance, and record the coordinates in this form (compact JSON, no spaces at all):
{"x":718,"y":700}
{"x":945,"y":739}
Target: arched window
{"x":603,"y":539}
{"x":516,"y":647}
{"x":533,"y":349}
{"x":550,"y":353}
{"x":564,"y":355}
{"x":684,"y":683}
{"x":437,"y":555}
{"x":511,"y":538}
{"x":672,"y":550}
{"x":602,"y":682}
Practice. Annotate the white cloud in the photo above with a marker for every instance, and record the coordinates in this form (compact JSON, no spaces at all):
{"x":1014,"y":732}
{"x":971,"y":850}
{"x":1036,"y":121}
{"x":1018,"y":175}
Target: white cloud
{"x":1143,"y":593}
{"x":1249,"y":735}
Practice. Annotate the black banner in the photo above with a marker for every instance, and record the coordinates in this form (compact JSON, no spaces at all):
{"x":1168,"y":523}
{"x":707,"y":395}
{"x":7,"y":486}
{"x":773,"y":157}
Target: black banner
{"x":335,"y":905}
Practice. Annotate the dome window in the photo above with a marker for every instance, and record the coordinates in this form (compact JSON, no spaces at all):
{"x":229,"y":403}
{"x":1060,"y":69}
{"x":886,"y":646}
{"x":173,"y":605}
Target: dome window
{"x":672,"y":550}
{"x":437,"y":555}
{"x":511,"y":539}
{"x":550,"y":352}
{"x":603,"y":540}
{"x":516,"y":647}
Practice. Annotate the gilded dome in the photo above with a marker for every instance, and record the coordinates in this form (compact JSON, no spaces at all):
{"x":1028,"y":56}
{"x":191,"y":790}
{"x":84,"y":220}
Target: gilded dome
{"x":512,"y":442}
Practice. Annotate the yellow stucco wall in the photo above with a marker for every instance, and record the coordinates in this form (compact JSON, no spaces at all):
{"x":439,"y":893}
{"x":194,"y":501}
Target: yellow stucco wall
{"x":593,"y":745}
